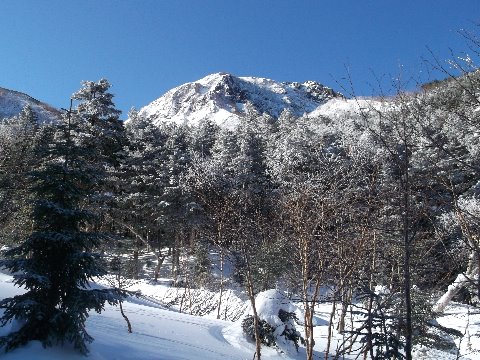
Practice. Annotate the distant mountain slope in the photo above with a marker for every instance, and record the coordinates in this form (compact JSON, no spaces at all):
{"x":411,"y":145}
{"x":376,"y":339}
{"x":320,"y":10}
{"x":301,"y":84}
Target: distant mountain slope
{"x":222,"y":97}
{"x":12,"y":102}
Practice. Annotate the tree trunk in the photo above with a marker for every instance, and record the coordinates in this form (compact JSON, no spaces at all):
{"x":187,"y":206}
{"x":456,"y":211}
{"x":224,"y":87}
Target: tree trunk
{"x":129,"y":325}
{"x":453,"y":290}
{"x":308,"y":314}
{"x":369,"y":329}
{"x":406,"y":264}
{"x":221,"y":283}
{"x":120,"y":304}
{"x":176,"y":258}
{"x":160,"y":260}
{"x":135,"y":264}
{"x":330,"y":325}
{"x":251,"y":296}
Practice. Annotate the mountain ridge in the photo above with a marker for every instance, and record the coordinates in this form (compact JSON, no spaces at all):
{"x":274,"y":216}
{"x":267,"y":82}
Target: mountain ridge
{"x":222,"y":98}
{"x":12,"y":102}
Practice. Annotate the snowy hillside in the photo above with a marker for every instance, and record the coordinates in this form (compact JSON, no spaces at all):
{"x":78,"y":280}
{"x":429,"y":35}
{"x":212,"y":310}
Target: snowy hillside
{"x":157,"y":334}
{"x":222,"y":97}
{"x":12,"y":102}
{"x":169,"y":335}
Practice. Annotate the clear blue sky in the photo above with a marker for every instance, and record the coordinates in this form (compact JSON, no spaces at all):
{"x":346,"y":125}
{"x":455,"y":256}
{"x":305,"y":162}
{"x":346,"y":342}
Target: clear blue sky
{"x":146,"y":47}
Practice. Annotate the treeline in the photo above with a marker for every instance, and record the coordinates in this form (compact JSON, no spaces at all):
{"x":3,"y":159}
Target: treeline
{"x":381,"y":205}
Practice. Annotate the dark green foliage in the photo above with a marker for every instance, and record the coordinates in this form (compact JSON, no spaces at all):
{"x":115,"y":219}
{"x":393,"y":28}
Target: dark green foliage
{"x":143,"y":177}
{"x":18,"y":138}
{"x":265,"y":330}
{"x":56,"y":262}
{"x":203,"y":138}
{"x":103,"y":131}
{"x":290,"y":333}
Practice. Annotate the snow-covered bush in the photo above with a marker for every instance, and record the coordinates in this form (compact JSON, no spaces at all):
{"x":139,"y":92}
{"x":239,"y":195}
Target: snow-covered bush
{"x":289,"y":332}
{"x":265,"y":332}
{"x":277,"y":318}
{"x":271,"y":335}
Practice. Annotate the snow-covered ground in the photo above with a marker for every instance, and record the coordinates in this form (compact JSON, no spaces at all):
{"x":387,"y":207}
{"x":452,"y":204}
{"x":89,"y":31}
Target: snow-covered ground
{"x":157,"y":334}
{"x":164,"y":333}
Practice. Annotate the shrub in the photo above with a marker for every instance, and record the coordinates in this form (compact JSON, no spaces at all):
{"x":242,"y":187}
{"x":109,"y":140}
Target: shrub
{"x":269,"y":334}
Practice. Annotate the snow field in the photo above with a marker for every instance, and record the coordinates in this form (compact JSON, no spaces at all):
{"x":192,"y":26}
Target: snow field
{"x":160,"y":331}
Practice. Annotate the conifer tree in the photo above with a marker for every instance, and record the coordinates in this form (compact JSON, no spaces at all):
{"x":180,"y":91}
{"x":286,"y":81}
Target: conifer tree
{"x":142,"y":180}
{"x":18,"y":136}
{"x":104,"y":132}
{"x":56,"y":262}
{"x":203,"y":138}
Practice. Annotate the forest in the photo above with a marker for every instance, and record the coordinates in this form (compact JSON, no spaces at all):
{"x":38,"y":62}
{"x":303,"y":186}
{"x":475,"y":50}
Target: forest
{"x":380,"y":205}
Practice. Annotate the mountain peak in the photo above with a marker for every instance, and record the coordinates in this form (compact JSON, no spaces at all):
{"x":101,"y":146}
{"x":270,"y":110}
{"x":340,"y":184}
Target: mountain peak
{"x":221,"y":97}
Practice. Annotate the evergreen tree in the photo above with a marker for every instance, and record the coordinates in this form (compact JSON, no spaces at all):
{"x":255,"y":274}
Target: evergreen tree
{"x":18,"y":136}
{"x":104,"y":135}
{"x":104,"y":132}
{"x":295,"y":153}
{"x":56,"y":262}
{"x":144,"y":175}
{"x":203,"y":138}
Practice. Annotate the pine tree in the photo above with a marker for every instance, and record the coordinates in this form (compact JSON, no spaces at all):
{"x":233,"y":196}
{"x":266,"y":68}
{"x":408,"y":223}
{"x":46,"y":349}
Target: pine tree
{"x":203,"y":138}
{"x":142,"y":180}
{"x":104,"y":132}
{"x":56,"y":262}
{"x":18,"y":136}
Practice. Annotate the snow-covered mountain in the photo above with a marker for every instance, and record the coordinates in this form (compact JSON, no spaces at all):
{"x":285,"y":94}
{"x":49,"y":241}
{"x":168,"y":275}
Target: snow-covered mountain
{"x":12,"y":102}
{"x":222,"y":97}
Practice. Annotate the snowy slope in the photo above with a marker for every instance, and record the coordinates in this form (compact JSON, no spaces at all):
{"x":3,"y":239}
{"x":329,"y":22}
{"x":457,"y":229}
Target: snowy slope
{"x":160,"y":334}
{"x":222,"y":97}
{"x":157,"y":334}
{"x":12,"y":102}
